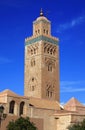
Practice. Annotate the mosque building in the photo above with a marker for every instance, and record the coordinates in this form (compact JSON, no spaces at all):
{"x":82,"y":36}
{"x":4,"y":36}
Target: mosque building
{"x":41,"y":100}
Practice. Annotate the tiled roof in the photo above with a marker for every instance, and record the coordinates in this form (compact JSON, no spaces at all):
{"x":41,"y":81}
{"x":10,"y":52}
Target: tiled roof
{"x":73,"y":102}
{"x":43,"y":103}
{"x":74,"y":105}
{"x":8,"y":92}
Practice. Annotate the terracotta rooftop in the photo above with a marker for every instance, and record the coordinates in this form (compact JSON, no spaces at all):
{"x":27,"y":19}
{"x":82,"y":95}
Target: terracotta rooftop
{"x":8,"y":92}
{"x":36,"y":102}
{"x":73,"y":102}
{"x":45,"y":104}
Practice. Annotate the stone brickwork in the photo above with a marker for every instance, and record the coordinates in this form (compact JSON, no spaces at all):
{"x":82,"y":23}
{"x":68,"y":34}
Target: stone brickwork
{"x":38,"y":122}
{"x":42,"y":62}
{"x":41,"y":86}
{"x":40,"y":110}
{"x":67,"y":119}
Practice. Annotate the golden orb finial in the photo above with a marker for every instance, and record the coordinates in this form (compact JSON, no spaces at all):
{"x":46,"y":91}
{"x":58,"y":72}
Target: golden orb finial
{"x":41,"y":12}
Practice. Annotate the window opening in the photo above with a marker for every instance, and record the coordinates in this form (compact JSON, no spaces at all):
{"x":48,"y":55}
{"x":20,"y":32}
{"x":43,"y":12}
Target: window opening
{"x":33,"y":63}
{"x":31,"y":52}
{"x":49,"y":67}
{"x":47,"y":32}
{"x":35,"y":32}
{"x":48,"y":50}
{"x":21,"y":108}
{"x":51,"y":51}
{"x":32,"y":79}
{"x":34,"y":51}
{"x":11,"y":107}
{"x":38,"y":31}
{"x":44,"y":30}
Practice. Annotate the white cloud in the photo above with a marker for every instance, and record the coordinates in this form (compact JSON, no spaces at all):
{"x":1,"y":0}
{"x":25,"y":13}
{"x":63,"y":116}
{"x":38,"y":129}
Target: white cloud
{"x":71,"y":24}
{"x":65,"y":83}
{"x":77,"y":21}
{"x":72,"y":86}
{"x":71,"y":89}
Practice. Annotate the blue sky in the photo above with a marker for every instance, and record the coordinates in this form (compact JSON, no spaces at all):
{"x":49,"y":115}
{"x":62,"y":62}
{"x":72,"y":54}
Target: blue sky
{"x":68,"y":24}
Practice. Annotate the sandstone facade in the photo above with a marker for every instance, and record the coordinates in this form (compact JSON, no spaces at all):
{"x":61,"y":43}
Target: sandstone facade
{"x":41,"y":87}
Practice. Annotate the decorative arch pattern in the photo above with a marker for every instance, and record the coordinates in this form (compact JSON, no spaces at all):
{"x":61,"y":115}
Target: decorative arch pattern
{"x":50,"y":67}
{"x":50,"y":49}
{"x":33,"y":62}
{"x":32,"y":84}
{"x":50,"y":91}
{"x":50,"y":63}
{"x":33,"y":49}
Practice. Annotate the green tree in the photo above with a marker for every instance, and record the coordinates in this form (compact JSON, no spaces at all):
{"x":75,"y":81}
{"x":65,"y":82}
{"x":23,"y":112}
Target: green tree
{"x":21,"y":124}
{"x":78,"y":126}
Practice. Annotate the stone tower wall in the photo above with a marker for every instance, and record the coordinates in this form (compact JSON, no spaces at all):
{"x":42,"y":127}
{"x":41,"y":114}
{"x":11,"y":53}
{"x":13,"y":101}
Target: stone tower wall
{"x":42,"y":62}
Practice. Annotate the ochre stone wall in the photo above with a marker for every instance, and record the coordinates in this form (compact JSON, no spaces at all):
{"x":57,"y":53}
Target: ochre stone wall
{"x":37,"y":74}
{"x":38,"y":122}
{"x":63,"y":122}
{"x":42,"y":63}
{"x":46,"y":115}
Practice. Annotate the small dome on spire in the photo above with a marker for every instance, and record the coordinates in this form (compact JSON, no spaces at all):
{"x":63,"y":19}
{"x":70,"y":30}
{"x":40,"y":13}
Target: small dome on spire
{"x":41,"y":12}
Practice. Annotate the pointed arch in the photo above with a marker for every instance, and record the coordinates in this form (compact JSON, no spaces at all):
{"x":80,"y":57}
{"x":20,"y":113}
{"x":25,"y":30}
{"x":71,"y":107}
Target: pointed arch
{"x":50,"y":91}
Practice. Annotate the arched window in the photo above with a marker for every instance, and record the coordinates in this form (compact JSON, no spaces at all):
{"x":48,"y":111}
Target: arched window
{"x":50,"y":67}
{"x":44,"y":30}
{"x":32,"y":87}
{"x":33,"y":84}
{"x":50,"y":91}
{"x":33,"y":62}
{"x":31,"y":52}
{"x":32,"y":79}
{"x":11,"y":107}
{"x":21,"y":110}
{"x":38,"y":31}
{"x":34,"y":51}
{"x":48,"y":50}
{"x":47,"y":32}
{"x":51,"y":51}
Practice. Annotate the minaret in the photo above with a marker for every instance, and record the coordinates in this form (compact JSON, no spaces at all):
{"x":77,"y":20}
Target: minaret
{"x":42,"y":62}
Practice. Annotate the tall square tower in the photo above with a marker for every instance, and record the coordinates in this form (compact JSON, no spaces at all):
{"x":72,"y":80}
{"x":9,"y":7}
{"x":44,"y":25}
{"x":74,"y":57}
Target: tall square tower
{"x":42,"y":62}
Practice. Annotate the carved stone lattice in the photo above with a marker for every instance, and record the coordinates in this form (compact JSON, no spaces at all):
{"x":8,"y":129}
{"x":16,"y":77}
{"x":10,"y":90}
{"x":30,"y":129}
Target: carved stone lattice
{"x":50,"y":90}
{"x":50,"y":49}
{"x":49,"y":61}
{"x":33,"y":49}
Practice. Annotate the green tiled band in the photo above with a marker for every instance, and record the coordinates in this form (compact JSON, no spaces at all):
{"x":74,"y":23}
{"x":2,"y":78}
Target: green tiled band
{"x":43,"y":38}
